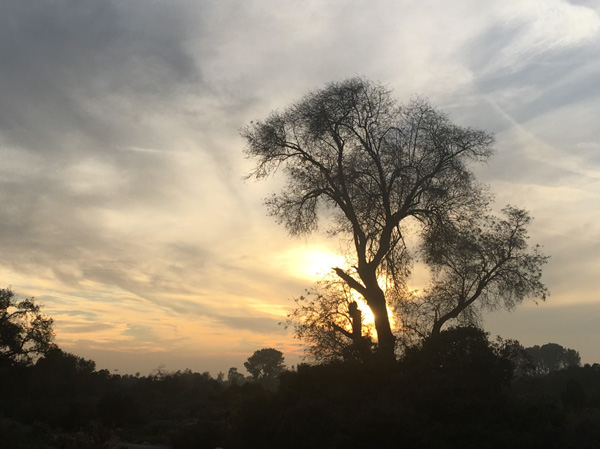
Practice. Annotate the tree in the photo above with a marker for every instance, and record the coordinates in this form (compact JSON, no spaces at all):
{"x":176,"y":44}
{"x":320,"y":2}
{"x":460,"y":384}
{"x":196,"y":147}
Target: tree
{"x":462,"y":357}
{"x":354,"y":156}
{"x":456,"y":374}
{"x":329,"y":320}
{"x":481,"y":263}
{"x":552,"y":357}
{"x":234,"y":377}
{"x":265,"y":364}
{"x":65,"y":364}
{"x":25,"y":333}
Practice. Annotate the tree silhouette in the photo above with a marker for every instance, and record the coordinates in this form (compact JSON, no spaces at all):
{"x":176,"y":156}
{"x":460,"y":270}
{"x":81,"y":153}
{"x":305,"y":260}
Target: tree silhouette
{"x":552,"y":357}
{"x":355,"y":157}
{"x":25,"y":333}
{"x":459,"y":362}
{"x":265,"y":364}
{"x":234,"y":377}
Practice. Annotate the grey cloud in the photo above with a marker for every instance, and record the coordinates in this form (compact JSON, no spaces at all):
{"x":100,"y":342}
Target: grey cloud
{"x":63,"y":62}
{"x":541,"y":80}
{"x":511,"y":165}
{"x":79,"y":81}
{"x":546,"y":80}
{"x":593,"y":4}
{"x":483,"y":50}
{"x":542,"y":91}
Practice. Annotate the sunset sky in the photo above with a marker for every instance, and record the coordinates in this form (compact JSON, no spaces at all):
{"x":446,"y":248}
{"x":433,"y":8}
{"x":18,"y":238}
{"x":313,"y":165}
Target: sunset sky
{"x":123,"y":204}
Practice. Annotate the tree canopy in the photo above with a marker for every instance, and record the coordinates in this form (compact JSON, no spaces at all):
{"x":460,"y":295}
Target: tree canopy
{"x":356,"y":158}
{"x":482,"y":263}
{"x":25,"y":333}
{"x":552,"y":357}
{"x":266,"y":363}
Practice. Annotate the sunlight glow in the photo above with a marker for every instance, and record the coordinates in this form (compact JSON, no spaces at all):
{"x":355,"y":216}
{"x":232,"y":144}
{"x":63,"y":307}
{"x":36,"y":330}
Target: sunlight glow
{"x":312,"y":262}
{"x":369,"y":318}
{"x":319,"y":263}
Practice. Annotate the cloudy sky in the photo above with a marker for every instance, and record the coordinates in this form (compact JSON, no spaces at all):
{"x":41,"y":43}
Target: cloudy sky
{"x":123,"y":207}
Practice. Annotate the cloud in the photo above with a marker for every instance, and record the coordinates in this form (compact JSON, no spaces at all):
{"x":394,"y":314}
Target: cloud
{"x":528,"y":31}
{"x":75,"y":72}
{"x":82,"y":81}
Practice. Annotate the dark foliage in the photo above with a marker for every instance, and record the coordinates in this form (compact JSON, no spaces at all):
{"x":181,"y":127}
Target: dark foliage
{"x":455,"y":390}
{"x":25,"y":333}
{"x":552,"y":357}
{"x":265,"y":365}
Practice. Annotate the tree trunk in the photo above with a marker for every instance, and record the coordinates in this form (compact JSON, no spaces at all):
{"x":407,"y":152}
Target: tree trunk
{"x":356,"y":316}
{"x":437,"y":327}
{"x":385,"y":338}
{"x":439,"y":323}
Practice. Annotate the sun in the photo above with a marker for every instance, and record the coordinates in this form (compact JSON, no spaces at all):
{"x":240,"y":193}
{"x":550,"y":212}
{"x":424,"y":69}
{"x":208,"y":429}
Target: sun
{"x":315,"y":263}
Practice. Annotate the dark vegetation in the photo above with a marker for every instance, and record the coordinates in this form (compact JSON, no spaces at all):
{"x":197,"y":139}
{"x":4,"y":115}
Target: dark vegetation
{"x":456,"y":389}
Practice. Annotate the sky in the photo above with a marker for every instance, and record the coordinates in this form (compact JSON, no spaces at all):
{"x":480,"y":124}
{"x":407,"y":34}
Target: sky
{"x":123,"y":204}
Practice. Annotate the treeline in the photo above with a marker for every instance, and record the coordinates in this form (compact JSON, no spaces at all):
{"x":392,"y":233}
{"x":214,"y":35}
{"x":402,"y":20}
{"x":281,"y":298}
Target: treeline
{"x":457,"y":390}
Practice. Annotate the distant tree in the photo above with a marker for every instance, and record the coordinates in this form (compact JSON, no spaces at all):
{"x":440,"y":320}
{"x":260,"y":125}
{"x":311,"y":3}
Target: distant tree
{"x":234,"y":377}
{"x":25,"y":334}
{"x":478,"y":263}
{"x":372,"y":169}
{"x":265,"y":364}
{"x":514,"y":356}
{"x":552,"y":357}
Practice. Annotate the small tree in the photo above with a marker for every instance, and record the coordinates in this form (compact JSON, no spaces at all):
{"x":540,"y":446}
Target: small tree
{"x":330,"y":322}
{"x":25,"y":333}
{"x":265,"y":364}
{"x":234,"y":377}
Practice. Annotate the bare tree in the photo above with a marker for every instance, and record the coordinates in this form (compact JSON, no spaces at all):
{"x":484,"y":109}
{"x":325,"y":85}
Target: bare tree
{"x":355,"y":156}
{"x":479,"y":263}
